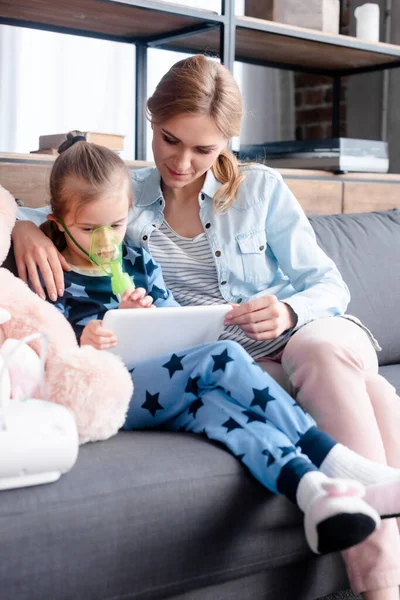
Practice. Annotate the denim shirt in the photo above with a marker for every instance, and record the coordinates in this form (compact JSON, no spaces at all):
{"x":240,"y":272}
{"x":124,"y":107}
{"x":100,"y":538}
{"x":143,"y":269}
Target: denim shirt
{"x":262,"y":245}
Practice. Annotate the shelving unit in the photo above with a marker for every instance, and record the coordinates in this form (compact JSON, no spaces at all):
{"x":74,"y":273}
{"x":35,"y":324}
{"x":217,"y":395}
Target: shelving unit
{"x":165,"y":25}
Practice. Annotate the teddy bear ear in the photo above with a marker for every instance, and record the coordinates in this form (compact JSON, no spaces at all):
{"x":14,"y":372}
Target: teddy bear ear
{"x":8,"y":212}
{"x":4,"y":316}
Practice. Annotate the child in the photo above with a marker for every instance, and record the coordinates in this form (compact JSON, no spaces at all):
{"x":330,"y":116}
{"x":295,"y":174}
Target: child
{"x":214,"y":389}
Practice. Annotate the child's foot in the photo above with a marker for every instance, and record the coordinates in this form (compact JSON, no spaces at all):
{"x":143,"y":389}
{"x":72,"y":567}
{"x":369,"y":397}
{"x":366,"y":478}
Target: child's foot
{"x":338,"y":518}
{"x":382,"y":482}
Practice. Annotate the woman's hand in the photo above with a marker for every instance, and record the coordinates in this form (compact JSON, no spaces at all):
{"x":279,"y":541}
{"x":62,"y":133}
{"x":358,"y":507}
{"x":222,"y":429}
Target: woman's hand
{"x":136,"y":298}
{"x":262,"y":319}
{"x":34,"y":251}
{"x":98,"y":336}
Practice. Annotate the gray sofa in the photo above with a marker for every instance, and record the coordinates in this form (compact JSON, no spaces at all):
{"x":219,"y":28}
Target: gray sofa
{"x":153,"y":515}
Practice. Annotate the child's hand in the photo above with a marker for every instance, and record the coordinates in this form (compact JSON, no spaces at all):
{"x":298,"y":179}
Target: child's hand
{"x":136,"y":298}
{"x":98,"y":336}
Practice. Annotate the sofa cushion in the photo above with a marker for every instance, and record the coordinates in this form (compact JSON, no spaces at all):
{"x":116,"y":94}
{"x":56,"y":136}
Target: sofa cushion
{"x":151,"y":515}
{"x":392,"y":374}
{"x":366,"y":250}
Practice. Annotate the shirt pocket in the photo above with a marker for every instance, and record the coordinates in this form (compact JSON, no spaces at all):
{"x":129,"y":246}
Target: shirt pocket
{"x":252,"y":247}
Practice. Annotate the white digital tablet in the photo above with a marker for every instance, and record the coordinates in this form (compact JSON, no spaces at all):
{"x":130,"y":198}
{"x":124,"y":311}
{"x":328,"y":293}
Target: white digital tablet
{"x":144,"y":333}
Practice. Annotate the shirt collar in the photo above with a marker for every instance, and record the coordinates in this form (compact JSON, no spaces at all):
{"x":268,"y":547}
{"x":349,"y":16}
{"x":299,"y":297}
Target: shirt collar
{"x":148,"y":189}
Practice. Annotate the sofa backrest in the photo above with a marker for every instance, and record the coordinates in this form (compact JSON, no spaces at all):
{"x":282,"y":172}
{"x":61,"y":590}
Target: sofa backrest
{"x":366,"y":250}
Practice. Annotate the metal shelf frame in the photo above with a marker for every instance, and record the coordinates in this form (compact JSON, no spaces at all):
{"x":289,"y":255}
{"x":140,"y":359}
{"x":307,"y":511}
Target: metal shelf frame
{"x":227,"y":25}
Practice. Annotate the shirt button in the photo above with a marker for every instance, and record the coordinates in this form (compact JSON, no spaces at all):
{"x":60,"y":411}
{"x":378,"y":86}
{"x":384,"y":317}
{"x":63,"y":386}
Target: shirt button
{"x":156,"y":226}
{"x":239,"y":300}
{"x":261,"y":248}
{"x":144,"y":238}
{"x":223,"y":282}
{"x":202,"y":197}
{"x":208,"y":225}
{"x":218,"y":253}
{"x":160,"y":202}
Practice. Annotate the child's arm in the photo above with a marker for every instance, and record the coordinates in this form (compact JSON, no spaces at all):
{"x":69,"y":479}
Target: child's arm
{"x":147,"y":274}
{"x":156,"y":287}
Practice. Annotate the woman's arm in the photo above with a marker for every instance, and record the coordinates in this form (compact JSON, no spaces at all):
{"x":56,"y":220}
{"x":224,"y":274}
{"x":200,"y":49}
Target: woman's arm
{"x":319,"y":288}
{"x":35,"y":252}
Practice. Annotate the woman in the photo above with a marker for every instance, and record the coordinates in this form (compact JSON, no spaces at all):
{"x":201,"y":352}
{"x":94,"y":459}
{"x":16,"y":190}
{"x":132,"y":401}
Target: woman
{"x":229,"y":233}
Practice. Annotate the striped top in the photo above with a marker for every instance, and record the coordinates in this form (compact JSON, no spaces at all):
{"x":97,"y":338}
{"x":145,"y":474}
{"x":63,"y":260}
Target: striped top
{"x":189,"y":272}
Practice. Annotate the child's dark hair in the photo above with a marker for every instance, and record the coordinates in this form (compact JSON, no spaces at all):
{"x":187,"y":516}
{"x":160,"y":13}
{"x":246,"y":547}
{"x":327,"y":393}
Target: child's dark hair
{"x":93,"y":170}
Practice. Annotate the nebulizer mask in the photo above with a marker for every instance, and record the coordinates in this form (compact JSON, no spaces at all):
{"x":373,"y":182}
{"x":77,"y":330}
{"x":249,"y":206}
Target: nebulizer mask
{"x":105,"y":252}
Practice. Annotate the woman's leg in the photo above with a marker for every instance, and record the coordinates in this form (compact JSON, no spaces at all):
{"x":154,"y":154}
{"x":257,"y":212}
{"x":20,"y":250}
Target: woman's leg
{"x":333,"y":366}
{"x":218,"y":390}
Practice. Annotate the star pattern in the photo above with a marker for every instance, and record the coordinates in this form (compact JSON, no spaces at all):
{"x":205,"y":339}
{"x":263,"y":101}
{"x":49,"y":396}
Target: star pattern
{"x":261,"y":398}
{"x":158,"y":293}
{"x":174,"y":364}
{"x":286,"y":450}
{"x":239,"y":456}
{"x":194,"y":407}
{"x":231,"y":425}
{"x":151,"y":267}
{"x":221,"y":360}
{"x":297,"y":405}
{"x":152,"y":404}
{"x":252,"y":416}
{"x":139,"y":265}
{"x":270,"y":456}
{"x":192,"y":386}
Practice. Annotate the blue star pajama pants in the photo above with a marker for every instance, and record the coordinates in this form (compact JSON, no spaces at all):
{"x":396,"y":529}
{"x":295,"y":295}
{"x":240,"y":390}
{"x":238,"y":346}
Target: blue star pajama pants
{"x":219,"y":391}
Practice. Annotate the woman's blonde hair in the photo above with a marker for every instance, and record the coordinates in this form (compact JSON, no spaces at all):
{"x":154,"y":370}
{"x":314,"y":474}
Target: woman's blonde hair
{"x":201,"y":86}
{"x":91,"y":171}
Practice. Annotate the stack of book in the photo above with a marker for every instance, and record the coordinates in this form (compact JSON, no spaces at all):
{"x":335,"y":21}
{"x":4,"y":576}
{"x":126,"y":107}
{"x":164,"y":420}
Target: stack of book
{"x":338,"y":155}
{"x":48,"y":144}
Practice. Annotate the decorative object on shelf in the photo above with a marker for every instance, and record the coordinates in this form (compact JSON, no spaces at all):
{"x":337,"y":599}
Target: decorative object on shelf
{"x":338,"y":155}
{"x":367,"y":22}
{"x":315,"y":14}
{"x":113,"y":141}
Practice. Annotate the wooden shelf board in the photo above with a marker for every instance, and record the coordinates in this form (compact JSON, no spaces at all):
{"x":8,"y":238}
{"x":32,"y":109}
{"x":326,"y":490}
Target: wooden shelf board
{"x":257,"y":40}
{"x":309,"y":48}
{"x":99,"y":17}
{"x":261,"y":41}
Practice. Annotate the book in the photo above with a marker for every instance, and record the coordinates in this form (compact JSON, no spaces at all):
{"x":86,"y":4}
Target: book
{"x":113,"y":141}
{"x":333,"y":154}
{"x":47,"y":151}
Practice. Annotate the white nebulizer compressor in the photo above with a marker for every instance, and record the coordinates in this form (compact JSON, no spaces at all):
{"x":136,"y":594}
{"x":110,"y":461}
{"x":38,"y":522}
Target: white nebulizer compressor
{"x":38,"y":439}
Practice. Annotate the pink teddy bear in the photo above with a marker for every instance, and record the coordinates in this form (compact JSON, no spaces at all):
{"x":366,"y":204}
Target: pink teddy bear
{"x":93,"y":384}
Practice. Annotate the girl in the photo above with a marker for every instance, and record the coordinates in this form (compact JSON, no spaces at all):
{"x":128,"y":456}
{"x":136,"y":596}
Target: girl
{"x":225,"y":232}
{"x":198,"y":389}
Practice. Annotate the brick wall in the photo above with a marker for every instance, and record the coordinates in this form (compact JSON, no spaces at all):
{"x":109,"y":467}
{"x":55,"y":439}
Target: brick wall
{"x":314,"y":106}
{"x":313,"y":92}
{"x":314,"y":100}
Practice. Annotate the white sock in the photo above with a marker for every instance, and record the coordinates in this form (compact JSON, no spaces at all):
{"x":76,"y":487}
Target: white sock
{"x":335,"y":515}
{"x":344,"y":463}
{"x":310,"y":487}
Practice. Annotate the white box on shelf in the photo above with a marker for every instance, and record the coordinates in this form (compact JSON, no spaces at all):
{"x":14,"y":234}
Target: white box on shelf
{"x":315,"y":14}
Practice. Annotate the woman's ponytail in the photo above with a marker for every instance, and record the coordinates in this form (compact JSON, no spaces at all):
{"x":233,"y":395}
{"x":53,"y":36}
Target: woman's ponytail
{"x":226,"y":170}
